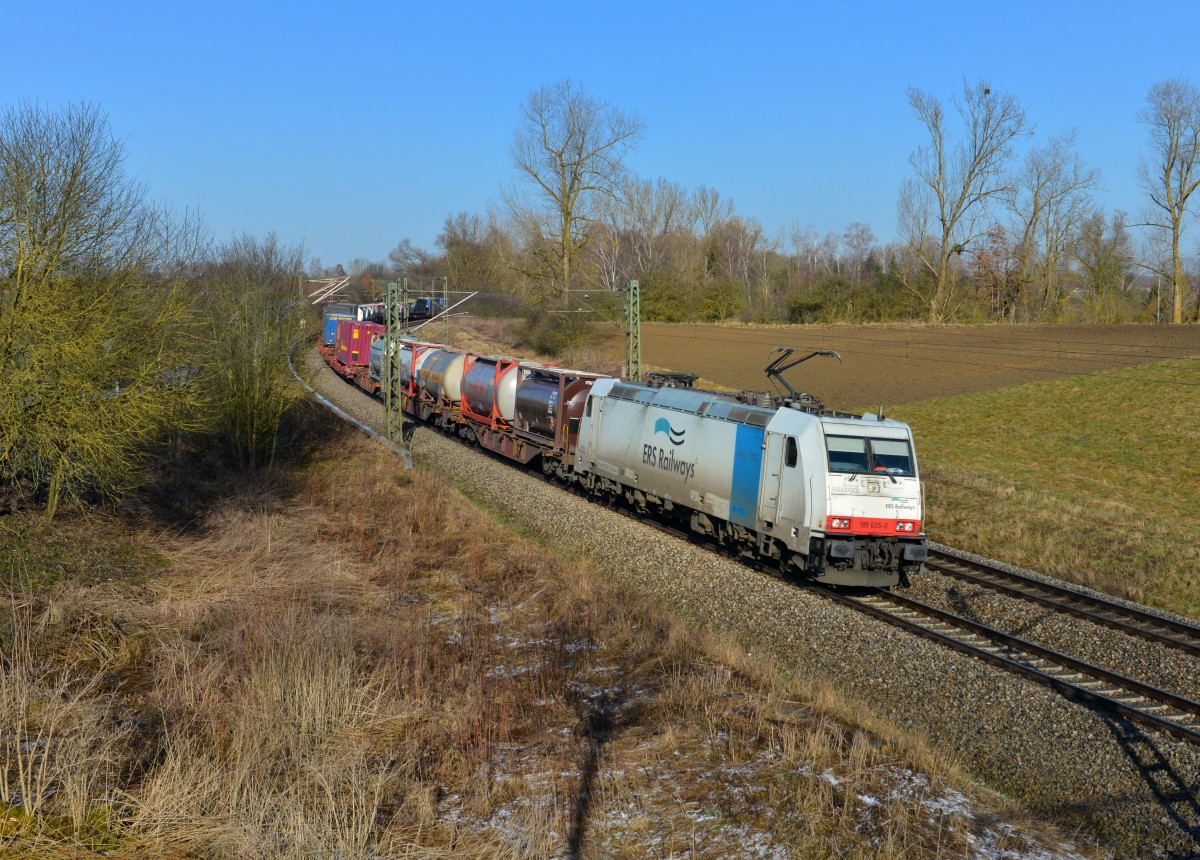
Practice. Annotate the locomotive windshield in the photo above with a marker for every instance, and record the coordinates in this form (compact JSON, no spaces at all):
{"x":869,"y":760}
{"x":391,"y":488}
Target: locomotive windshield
{"x":856,"y":454}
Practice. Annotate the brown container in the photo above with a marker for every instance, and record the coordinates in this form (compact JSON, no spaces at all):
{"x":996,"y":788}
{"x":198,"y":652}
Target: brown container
{"x":550,"y":402}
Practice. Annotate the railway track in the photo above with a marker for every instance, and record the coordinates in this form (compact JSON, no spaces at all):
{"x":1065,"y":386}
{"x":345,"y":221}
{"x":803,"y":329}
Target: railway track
{"x":1075,"y":679}
{"x":1094,"y":608}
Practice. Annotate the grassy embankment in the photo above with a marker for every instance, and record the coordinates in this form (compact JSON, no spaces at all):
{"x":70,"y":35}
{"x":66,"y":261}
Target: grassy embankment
{"x":1092,"y":478}
{"x":280,"y":671}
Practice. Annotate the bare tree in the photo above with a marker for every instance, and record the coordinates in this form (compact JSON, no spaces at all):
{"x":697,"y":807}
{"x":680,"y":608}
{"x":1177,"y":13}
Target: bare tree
{"x":742,"y":251}
{"x":1172,"y":114}
{"x":608,"y":257}
{"x":406,"y":258}
{"x":570,"y":150}
{"x":468,"y":256}
{"x":656,"y":211}
{"x":640,"y":231}
{"x":711,"y":213}
{"x":991,"y":270}
{"x":1104,"y":256}
{"x":941,"y":207}
{"x":858,"y":241}
{"x":97,"y":330}
{"x":711,"y":209}
{"x":1049,"y":200}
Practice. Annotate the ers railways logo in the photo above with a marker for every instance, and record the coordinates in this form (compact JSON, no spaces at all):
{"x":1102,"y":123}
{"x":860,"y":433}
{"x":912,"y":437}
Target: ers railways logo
{"x":663,"y":426}
{"x":660,"y":458}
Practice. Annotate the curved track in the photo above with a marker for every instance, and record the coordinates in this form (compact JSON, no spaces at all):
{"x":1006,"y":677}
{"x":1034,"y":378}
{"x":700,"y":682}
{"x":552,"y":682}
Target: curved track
{"x":1074,"y":679}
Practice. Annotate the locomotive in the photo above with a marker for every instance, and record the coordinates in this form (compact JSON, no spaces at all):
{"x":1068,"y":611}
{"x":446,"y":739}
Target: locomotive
{"x":820,"y":494}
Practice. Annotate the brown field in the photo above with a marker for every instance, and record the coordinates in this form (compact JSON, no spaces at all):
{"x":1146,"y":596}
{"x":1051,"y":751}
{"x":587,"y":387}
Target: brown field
{"x":902,"y":364}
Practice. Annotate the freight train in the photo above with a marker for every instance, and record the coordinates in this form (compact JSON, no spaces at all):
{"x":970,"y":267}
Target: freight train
{"x":820,"y":494}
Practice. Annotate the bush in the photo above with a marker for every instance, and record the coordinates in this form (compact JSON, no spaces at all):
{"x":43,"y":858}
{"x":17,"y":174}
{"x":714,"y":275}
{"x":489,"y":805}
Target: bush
{"x":555,"y":333}
{"x":665,"y":299}
{"x":837,"y":300}
{"x":722,"y":300}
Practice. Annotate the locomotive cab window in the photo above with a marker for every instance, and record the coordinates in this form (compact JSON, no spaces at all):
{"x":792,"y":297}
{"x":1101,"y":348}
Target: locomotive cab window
{"x":588,"y":407}
{"x":791,"y":456}
{"x":891,"y":456}
{"x":856,"y":454}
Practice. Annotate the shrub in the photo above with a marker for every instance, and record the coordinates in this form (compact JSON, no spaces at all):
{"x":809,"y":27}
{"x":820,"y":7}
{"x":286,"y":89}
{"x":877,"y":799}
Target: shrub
{"x":722,"y":300}
{"x":664,"y":298}
{"x":555,"y":333}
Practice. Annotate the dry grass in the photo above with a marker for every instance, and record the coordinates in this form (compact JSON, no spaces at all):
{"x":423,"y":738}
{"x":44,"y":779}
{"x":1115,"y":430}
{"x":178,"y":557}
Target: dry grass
{"x":303,"y":681}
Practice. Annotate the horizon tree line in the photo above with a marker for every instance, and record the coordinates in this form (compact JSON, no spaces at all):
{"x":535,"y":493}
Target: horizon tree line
{"x":124,"y":326}
{"x":993,"y":225}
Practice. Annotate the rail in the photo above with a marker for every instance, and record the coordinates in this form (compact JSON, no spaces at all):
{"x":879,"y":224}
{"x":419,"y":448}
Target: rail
{"x":1075,"y":679}
{"x":1094,"y":608}
{"x":346,"y":416}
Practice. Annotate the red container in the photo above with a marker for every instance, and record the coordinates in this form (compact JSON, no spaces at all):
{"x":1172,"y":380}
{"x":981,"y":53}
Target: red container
{"x":353,"y":345}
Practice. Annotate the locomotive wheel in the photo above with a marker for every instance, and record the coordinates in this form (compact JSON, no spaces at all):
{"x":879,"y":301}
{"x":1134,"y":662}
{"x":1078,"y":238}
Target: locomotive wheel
{"x":784,"y":563}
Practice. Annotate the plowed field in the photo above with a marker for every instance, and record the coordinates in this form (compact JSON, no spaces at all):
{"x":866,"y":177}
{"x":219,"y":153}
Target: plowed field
{"x":893,"y":364}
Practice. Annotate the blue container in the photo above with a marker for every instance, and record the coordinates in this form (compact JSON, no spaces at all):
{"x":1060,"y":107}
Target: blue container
{"x":332,"y":314}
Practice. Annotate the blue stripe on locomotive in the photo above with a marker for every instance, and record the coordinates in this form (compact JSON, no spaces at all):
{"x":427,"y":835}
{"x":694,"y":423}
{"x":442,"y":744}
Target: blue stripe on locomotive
{"x":747,"y":472}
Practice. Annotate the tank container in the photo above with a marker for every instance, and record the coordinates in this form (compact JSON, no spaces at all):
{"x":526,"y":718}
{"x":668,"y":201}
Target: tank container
{"x":487,"y":384}
{"x":441,"y":373}
{"x":539,"y":408}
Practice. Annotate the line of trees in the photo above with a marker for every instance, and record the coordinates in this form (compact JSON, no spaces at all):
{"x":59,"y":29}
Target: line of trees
{"x":123,"y":326}
{"x":994,"y":224}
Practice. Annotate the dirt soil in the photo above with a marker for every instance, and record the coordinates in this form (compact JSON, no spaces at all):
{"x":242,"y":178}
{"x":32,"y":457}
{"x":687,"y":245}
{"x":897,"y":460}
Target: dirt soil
{"x":901,"y":364}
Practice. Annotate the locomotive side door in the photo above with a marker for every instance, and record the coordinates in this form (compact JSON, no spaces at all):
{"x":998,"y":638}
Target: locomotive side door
{"x":584,"y":455}
{"x":772,"y":473}
{"x":783,"y":489}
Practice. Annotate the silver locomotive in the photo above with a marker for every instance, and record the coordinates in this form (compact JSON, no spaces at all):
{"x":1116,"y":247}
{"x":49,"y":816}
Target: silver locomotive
{"x":828,"y":495}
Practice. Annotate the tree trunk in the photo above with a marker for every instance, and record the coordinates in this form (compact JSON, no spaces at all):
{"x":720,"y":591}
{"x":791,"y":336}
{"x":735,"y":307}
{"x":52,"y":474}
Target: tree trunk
{"x":54,"y":493}
{"x":1177,"y":308}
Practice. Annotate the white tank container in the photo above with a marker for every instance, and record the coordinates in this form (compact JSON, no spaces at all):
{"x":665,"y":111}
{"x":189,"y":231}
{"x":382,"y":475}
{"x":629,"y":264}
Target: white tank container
{"x":486,"y":385}
{"x":440,"y":372}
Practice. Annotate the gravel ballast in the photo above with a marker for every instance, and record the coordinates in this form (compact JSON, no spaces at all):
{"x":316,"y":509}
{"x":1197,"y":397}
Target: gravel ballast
{"x":1131,"y":786}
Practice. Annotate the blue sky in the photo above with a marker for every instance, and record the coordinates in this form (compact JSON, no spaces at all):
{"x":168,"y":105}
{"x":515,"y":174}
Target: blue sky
{"x":351,"y":126}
